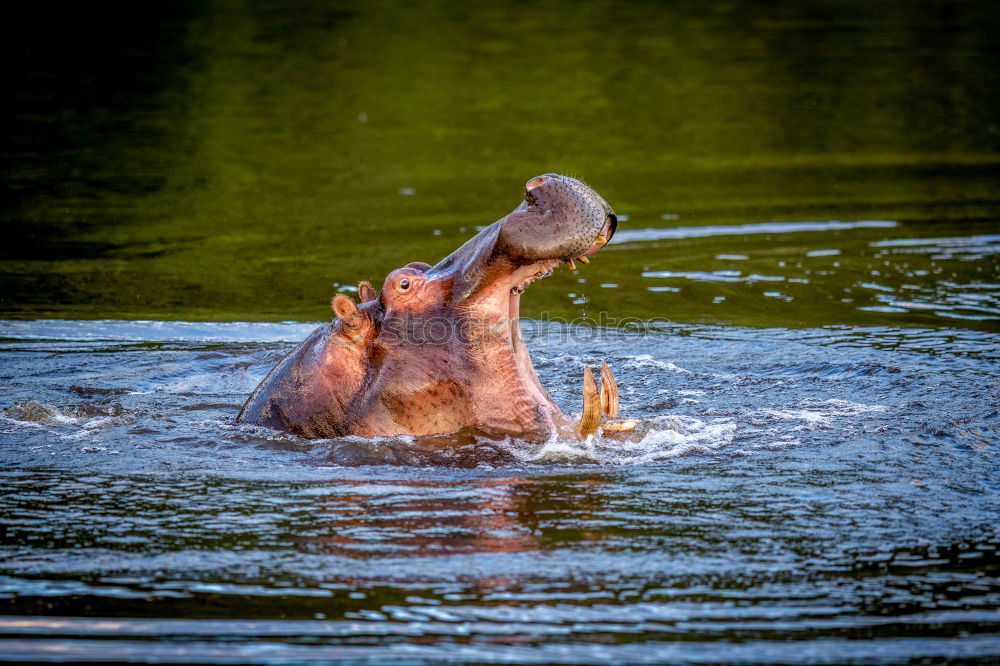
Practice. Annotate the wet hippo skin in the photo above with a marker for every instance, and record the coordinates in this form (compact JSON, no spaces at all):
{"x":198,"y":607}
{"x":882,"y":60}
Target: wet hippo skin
{"x":439,"y":348}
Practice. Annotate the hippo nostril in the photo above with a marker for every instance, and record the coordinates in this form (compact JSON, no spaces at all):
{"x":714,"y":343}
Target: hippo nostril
{"x":535,"y":182}
{"x":531,"y":186}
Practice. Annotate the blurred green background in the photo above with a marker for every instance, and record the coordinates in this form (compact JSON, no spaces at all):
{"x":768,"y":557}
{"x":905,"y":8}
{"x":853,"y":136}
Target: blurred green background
{"x":241,"y":159}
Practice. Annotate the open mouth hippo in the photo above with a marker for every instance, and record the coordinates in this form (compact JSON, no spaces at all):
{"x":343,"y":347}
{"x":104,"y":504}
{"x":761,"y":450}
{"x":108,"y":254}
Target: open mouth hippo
{"x":439,"y":348}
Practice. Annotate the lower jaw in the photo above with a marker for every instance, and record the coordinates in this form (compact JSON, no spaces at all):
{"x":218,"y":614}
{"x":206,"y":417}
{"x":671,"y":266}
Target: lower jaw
{"x":525,"y":368}
{"x":502,"y":301}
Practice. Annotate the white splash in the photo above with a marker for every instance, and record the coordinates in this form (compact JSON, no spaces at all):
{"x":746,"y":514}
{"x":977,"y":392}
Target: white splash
{"x":821,"y":414}
{"x":667,"y":437}
{"x":647,"y":361}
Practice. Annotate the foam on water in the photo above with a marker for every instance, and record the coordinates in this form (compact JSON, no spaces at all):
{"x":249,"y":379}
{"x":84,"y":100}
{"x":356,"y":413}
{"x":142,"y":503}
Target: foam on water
{"x":647,"y":361}
{"x":659,"y":438}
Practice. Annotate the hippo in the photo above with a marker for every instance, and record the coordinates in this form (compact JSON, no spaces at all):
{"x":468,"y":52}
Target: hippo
{"x":438,"y":348}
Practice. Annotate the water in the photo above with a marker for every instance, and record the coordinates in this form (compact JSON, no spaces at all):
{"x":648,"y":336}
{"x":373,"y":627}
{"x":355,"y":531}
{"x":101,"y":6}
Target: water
{"x":802,"y":303}
{"x":822,"y":495}
{"x":241,"y":160}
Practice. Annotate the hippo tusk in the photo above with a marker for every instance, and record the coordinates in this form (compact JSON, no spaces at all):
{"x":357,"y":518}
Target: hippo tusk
{"x":622,"y":425}
{"x":609,"y":391}
{"x":569,"y":263}
{"x":583,"y":259}
{"x":601,"y":239}
{"x":590,"y":417}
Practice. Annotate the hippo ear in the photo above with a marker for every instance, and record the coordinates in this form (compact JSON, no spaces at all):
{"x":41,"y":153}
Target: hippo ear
{"x":365,"y":291}
{"x":345,"y":308}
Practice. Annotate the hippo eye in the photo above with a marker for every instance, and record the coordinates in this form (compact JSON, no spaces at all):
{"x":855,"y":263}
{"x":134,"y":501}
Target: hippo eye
{"x":404,"y":284}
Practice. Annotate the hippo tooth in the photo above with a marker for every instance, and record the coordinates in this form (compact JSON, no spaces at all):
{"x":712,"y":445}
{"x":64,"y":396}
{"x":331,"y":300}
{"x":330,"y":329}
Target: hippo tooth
{"x":601,"y":240}
{"x":609,"y":391}
{"x":583,"y":259}
{"x":590,"y":416}
{"x":623,"y":425}
{"x":569,"y":262}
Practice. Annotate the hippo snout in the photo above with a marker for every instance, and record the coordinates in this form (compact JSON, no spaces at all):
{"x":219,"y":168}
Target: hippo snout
{"x":560,"y":218}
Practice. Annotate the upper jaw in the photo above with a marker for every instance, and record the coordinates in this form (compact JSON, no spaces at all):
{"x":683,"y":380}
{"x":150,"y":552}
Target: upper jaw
{"x":524,"y":275}
{"x":560,"y":220}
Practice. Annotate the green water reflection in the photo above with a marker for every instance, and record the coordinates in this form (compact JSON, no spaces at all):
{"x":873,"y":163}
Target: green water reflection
{"x":241,"y":160}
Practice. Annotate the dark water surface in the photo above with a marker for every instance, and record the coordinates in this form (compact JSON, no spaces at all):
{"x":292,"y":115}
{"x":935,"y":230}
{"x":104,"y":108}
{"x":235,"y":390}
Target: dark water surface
{"x":808,"y":257}
{"x":241,"y":160}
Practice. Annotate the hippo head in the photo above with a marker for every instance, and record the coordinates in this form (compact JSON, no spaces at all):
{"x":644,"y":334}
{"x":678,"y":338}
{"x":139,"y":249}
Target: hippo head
{"x":439,"y":348}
